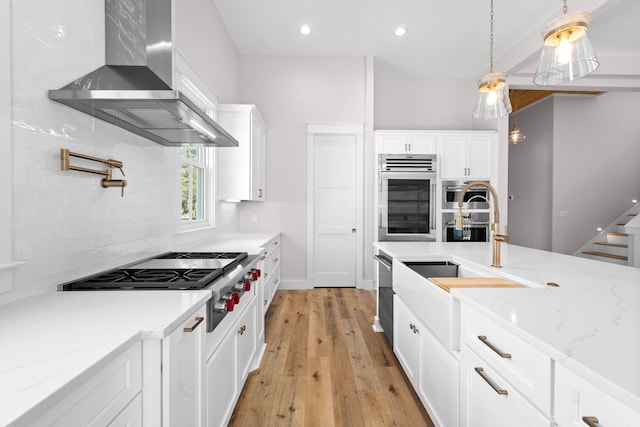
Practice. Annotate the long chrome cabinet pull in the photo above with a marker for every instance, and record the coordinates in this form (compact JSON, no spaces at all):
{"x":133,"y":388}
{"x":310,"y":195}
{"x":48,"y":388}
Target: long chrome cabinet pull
{"x":591,"y":421}
{"x":486,"y":342}
{"x":489,"y":381}
{"x":195,"y":325}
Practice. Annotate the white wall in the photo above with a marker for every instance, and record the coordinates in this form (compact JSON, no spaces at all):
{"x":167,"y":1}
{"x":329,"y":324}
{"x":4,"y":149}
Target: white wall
{"x":203,"y":39}
{"x":290,"y":92}
{"x":412,"y":103}
{"x":64,"y":224}
{"x":531,"y":178}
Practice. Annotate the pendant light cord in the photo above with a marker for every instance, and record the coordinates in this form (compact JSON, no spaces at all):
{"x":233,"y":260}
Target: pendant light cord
{"x":564,"y":7}
{"x":491,"y":39}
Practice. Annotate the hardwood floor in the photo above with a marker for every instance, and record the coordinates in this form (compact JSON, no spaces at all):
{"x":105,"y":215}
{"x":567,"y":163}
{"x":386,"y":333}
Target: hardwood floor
{"x":324,"y":366}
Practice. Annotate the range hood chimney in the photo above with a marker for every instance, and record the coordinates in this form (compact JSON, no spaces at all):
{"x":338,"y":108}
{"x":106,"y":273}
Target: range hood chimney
{"x":134,"y":89}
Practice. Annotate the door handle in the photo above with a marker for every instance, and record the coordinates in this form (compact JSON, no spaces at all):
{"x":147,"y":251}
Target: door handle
{"x":353,"y":230}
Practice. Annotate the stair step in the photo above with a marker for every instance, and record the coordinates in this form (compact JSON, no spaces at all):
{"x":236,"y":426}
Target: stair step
{"x":612,"y":233}
{"x":602,"y":254}
{"x":615,"y":245}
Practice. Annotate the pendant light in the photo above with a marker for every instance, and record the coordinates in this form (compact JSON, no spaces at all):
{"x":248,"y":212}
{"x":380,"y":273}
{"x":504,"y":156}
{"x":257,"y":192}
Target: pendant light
{"x":493,"y":91}
{"x":516,"y":137}
{"x":567,"y":53}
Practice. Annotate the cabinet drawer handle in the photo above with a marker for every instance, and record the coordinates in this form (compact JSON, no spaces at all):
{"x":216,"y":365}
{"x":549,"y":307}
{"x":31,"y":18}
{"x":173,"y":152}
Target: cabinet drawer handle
{"x":486,"y":342}
{"x":591,"y":421}
{"x":195,"y":325}
{"x":489,"y":381}
{"x":413,"y":328}
{"x":242,"y":329}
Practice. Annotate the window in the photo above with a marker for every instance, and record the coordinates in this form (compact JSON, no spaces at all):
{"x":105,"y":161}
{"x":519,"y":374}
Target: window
{"x":193,"y":182}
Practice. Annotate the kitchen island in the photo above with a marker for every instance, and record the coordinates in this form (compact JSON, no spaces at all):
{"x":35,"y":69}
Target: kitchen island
{"x":589,"y":324}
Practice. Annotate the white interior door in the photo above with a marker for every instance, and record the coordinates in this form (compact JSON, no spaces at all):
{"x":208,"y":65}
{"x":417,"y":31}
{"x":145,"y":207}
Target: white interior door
{"x":334,"y":210}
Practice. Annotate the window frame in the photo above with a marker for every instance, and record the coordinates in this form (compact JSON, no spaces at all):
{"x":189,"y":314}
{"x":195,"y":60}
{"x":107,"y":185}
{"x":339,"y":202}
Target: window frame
{"x":207,"y":190}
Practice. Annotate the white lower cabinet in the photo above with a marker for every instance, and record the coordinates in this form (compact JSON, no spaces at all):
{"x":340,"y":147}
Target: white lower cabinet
{"x":222,"y":382}
{"x":431,"y":368}
{"x":579,"y":403}
{"x":488,"y":400}
{"x":109,"y":397}
{"x":439,"y":381}
{"x":182,"y":373}
{"x":406,"y":339}
{"x":229,"y":366}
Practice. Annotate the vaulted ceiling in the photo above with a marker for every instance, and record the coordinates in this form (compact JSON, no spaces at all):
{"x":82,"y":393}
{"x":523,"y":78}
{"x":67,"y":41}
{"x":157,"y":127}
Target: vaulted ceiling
{"x":444,"y":40}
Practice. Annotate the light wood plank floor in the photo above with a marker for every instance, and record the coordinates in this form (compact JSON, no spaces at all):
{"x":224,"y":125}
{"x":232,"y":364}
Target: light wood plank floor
{"x":324,"y":366}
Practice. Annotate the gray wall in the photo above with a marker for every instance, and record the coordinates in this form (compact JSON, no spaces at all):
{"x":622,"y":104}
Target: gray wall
{"x":531,"y":178}
{"x":596,"y":164}
{"x":578,"y":170}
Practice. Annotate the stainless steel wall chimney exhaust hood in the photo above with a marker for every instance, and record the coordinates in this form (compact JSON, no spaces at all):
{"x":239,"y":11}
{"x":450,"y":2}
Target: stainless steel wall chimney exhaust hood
{"x":134,"y":89}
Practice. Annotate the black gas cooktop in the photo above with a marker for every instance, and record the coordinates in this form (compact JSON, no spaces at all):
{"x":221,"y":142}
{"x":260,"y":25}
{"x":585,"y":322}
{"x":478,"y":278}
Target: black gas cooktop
{"x":172,"y":270}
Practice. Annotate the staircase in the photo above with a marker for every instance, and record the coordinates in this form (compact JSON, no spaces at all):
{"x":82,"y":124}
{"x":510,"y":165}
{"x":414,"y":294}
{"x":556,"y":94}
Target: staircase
{"x":613,"y":244}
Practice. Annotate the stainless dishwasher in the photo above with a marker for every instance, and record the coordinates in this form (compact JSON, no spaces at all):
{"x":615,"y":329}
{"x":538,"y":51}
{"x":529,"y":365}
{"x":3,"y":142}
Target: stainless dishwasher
{"x":385,"y":294}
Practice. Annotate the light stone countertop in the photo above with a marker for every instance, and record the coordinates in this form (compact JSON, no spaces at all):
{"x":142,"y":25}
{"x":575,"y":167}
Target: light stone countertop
{"x":51,"y":339}
{"x":590,"y":324}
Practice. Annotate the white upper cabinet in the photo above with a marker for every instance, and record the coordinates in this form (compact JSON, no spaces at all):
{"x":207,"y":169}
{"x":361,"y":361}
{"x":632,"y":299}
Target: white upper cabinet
{"x":241,"y":170}
{"x":406,"y":142}
{"x":467,"y":156}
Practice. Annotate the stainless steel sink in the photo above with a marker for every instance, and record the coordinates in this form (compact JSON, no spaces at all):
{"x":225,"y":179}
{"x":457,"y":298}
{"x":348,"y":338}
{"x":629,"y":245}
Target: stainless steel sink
{"x":434,"y":268}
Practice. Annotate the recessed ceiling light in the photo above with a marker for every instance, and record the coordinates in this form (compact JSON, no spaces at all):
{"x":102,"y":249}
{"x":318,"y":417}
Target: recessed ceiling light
{"x":400,"y":31}
{"x":305,"y":29}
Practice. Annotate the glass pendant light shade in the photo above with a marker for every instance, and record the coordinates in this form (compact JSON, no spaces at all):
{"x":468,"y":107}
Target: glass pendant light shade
{"x":493,"y":97}
{"x":567,"y":53}
{"x":516,"y":137}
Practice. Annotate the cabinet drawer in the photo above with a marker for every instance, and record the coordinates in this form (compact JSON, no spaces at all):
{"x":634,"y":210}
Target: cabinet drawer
{"x":484,"y":406}
{"x":269,"y":248}
{"x":528,"y":369}
{"x":271,"y":263}
{"x":576,"y":398}
{"x":98,"y":400}
{"x":131,"y":416}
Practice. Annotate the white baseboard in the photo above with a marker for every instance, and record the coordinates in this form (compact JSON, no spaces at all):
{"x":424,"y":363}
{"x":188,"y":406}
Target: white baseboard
{"x":376,"y":325}
{"x":294,"y":285}
{"x":366,"y":285}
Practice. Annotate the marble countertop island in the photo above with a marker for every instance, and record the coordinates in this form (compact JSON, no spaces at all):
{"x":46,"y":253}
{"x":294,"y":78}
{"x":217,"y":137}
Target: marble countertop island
{"x":590,"y":323}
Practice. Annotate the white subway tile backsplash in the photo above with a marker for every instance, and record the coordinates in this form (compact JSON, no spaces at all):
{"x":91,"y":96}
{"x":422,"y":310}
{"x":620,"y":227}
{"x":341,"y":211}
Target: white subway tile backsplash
{"x":65,"y":225}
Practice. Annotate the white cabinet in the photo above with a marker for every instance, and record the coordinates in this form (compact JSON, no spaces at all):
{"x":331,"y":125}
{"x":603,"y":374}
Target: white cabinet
{"x":109,"y":397}
{"x":229,"y":366}
{"x":439,"y":381}
{"x":466,"y":156}
{"x":406,"y":142}
{"x":406,"y":339}
{"x":488,"y":400}
{"x":504,"y":380}
{"x":577,"y":402}
{"x":270,"y":268}
{"x":182,"y":372}
{"x":241,"y":170}
{"x":431,"y":368}
{"x":524,"y":366}
{"x":222,"y":382}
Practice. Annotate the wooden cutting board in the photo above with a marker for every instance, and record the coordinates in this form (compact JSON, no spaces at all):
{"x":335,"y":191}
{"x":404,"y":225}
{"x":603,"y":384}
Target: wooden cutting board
{"x":447,"y":283}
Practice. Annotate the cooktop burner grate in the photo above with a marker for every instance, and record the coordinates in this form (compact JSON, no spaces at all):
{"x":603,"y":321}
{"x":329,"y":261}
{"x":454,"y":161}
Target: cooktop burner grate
{"x":149,"y":279}
{"x":204,"y":255}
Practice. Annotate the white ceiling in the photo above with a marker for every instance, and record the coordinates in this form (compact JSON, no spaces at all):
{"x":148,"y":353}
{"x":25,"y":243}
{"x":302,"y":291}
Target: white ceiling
{"x":445,"y":39}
